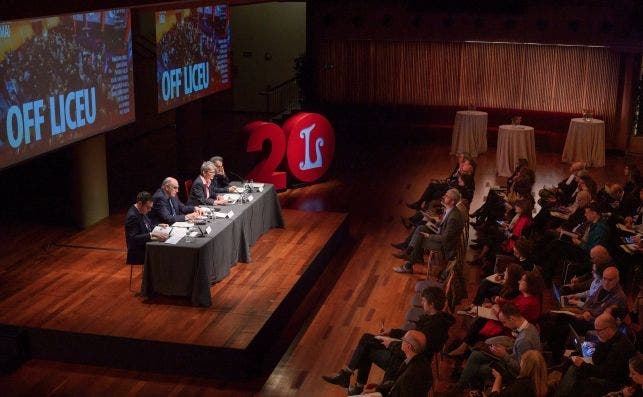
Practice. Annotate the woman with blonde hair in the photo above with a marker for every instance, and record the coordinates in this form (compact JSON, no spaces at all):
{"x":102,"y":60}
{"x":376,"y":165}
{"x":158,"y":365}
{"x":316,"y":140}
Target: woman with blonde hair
{"x":532,"y":380}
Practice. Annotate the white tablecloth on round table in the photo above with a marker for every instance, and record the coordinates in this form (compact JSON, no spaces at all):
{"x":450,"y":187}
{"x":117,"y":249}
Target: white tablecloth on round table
{"x":514,"y":142}
{"x":585,"y":142}
{"x":469,"y":132}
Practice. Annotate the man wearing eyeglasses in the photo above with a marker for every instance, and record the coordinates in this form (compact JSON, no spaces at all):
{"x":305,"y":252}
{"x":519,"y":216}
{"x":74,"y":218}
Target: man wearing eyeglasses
{"x":220,"y":181}
{"x":610,"y":295}
{"x":167,"y":206}
{"x":609,"y":367}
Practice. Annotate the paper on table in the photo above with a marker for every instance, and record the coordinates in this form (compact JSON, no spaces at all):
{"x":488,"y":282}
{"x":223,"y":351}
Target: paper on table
{"x":485,"y":312}
{"x":231,"y":198}
{"x":224,"y":214}
{"x":177,"y":234}
{"x":161,"y":231}
{"x":183,"y":224}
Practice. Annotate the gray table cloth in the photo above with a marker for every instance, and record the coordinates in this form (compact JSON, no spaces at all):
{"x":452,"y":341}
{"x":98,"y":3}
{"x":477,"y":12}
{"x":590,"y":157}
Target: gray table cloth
{"x":188,"y":269}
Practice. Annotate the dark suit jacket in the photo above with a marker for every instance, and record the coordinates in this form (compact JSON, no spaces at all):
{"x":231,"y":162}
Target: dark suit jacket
{"x":197,"y":193}
{"x":219,"y":184}
{"x":450,"y":233}
{"x":414,"y":379}
{"x":162,"y":212}
{"x":567,"y":191}
{"x":610,"y":361}
{"x":137,"y":234}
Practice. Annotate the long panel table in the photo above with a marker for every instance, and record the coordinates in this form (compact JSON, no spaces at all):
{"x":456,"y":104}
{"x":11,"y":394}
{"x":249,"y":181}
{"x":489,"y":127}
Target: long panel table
{"x":188,"y":269}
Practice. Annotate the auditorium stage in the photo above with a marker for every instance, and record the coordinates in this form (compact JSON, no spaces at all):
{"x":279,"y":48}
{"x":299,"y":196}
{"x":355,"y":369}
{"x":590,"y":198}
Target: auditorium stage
{"x":73,"y":302}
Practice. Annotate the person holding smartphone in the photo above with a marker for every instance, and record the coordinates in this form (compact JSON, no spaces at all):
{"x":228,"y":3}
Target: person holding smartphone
{"x":531,"y":382}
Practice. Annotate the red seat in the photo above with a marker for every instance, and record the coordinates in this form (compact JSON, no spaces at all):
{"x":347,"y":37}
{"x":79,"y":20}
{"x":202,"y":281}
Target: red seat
{"x":188,"y":186}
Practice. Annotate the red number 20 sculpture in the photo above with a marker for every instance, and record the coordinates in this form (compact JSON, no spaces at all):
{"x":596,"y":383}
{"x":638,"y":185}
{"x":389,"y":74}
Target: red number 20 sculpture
{"x":307,"y":140}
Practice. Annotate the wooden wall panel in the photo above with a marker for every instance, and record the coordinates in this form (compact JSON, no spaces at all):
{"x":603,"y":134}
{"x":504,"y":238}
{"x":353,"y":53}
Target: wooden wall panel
{"x":502,"y":75}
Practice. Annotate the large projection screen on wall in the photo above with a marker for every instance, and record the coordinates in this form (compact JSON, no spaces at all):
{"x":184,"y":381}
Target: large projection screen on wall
{"x":192,"y":53}
{"x":62,"y":79}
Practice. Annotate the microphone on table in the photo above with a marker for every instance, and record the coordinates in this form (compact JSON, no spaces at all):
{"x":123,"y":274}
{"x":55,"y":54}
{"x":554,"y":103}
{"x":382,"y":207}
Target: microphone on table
{"x":201,"y":231}
{"x":244,"y":181}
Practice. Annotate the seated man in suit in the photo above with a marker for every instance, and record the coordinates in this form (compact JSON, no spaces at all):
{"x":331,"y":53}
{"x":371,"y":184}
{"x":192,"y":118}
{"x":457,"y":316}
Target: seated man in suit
{"x":385,"y":350}
{"x":201,"y":191}
{"x":609,"y":368}
{"x":436,"y":188}
{"x":167,"y":206}
{"x":413,"y":376}
{"x":138,"y":228}
{"x":445,"y":241}
{"x":555,"y":326}
{"x":220,"y":182}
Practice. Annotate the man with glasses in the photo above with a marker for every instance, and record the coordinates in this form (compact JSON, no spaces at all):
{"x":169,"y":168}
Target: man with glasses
{"x":220,"y":181}
{"x":445,"y":240}
{"x":385,"y":349}
{"x":555,"y":326}
{"x":609,"y":367}
{"x":167,"y":206}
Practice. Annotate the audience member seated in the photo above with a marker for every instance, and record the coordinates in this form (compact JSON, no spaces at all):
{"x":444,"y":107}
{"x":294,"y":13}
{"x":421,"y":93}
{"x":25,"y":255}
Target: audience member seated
{"x":633,"y":211}
{"x":500,"y":201}
{"x":563,"y":193}
{"x":167,"y":206}
{"x":577,"y":248}
{"x":138,"y":228}
{"x":445,"y":241}
{"x":531,"y":381}
{"x":582,"y":286}
{"x":633,"y":179}
{"x":505,"y":286}
{"x":477,"y":369}
{"x":411,"y":378}
{"x":500,"y":239}
{"x":609,"y":199}
{"x":587,"y":183}
{"x":528,"y":302}
{"x":609,"y":368}
{"x":437,"y":188}
{"x":636,"y":374}
{"x":200,"y":193}
{"x":555,"y":326}
{"x":385,"y":349}
{"x":566,"y":217}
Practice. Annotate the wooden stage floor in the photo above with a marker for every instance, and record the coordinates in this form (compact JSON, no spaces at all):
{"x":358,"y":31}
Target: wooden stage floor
{"x":369,"y":181}
{"x":79,"y":285}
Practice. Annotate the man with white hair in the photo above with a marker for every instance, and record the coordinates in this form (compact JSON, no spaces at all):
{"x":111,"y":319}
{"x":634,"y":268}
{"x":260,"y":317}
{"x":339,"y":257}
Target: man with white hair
{"x":555,"y":326}
{"x":445,"y":241}
{"x":167,"y":206}
{"x":412,"y":379}
{"x":609,"y":367}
